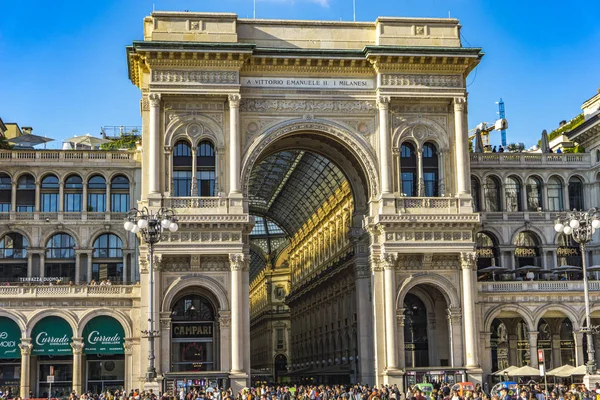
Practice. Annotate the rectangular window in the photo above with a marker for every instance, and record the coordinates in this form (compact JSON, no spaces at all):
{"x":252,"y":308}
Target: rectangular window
{"x":555,"y":200}
{"x":280,"y":338}
{"x":408,"y":184}
{"x":73,"y":202}
{"x":112,"y":271}
{"x":182,"y":183}
{"x":430,"y":180}
{"x":49,"y":202}
{"x":119,"y":202}
{"x":4,"y":207}
{"x":206,"y":183}
{"x":25,"y":208}
{"x":96,"y":202}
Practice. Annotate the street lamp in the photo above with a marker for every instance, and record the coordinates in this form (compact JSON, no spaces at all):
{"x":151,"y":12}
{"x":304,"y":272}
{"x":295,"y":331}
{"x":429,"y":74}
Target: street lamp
{"x":581,"y":225}
{"x":149,"y":226}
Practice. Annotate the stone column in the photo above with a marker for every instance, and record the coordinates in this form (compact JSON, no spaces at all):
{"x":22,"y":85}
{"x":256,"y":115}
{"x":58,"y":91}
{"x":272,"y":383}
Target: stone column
{"x":364,"y":324}
{"x":400,"y":338}
{"x":154,"y":144}
{"x":61,"y":196}
{"x":125,"y":268}
{"x":533,"y":356}
{"x":90,"y":261}
{"x":389,"y":276}
{"x":556,"y":356}
{"x":26,"y":348}
{"x":455,"y":333}
{"x":234,"y":144}
{"x":486,"y":359}
{"x":29,"y":264}
{"x":108,"y":198}
{"x":128,"y":348}
{"x":77,"y":346}
{"x":13,"y":202}
{"x":84,"y":197}
{"x":37,"y":196}
{"x":460,"y":138}
{"x":385,"y":149}
{"x":441,"y":173}
{"x":77,"y":266}
{"x":420,"y":180}
{"x":194,"y":189}
{"x":579,"y":353}
{"x":468,"y":264}
{"x":42,"y":264}
{"x":397,"y":183}
{"x":238,"y":264}
{"x":544,"y":190}
{"x":565,"y":194}
{"x":169,"y":183}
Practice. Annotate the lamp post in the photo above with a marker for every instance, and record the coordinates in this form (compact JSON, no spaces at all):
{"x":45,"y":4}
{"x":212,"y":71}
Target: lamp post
{"x":149,"y":226}
{"x":581,"y":225}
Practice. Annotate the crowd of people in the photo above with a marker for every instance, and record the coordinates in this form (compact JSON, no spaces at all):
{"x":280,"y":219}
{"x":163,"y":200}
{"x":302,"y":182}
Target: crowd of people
{"x":442,"y":391}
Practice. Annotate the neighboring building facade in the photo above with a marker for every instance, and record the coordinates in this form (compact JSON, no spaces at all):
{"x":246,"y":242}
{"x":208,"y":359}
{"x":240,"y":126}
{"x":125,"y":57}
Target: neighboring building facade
{"x":331,"y":218}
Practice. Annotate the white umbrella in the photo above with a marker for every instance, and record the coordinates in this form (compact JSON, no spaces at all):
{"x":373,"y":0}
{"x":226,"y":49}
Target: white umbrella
{"x":581,"y":370}
{"x":525,"y":371}
{"x":562,"y":371}
{"x":506,"y":370}
{"x":87,"y":140}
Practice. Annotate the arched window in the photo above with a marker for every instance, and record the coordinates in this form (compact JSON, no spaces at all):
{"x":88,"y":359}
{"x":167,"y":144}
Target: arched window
{"x":49,"y":194}
{"x":491,"y":192}
{"x":575,"y":194}
{"x":534,"y":194}
{"x":108,"y":258}
{"x":598,"y":156}
{"x":205,"y":169}
{"x":119,"y":194}
{"x":487,"y":251}
{"x":182,"y":169}
{"x":96,"y":194}
{"x":26,"y":193}
{"x":527,"y":249}
{"x":475,"y":194}
{"x":73,"y":194}
{"x":408,"y":166}
{"x":568,"y":252}
{"x":567,"y":345}
{"x":13,"y":257}
{"x":430,"y":169}
{"x":512,"y":190}
{"x":193,"y":347}
{"x":60,"y":257}
{"x":555,"y":194}
{"x":544,"y":341}
{"x":5,"y":192}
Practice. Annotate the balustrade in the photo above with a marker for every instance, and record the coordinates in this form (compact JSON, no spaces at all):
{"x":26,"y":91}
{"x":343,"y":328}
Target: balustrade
{"x":550,"y":159}
{"x":37,"y":291}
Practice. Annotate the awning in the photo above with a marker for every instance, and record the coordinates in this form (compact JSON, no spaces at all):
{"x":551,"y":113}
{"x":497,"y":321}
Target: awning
{"x":10,"y":337}
{"x":52,"y":336}
{"x":103,"y":335}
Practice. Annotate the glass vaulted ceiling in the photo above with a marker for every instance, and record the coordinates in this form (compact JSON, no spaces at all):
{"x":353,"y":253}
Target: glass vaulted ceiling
{"x":285,"y":190}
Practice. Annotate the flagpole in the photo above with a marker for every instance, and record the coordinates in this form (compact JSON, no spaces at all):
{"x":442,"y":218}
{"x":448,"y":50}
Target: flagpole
{"x":254,"y":9}
{"x":354,"y":9}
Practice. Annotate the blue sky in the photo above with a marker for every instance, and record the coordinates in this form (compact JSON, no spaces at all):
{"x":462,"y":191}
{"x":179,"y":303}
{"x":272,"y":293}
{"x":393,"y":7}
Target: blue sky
{"x":63,"y":68}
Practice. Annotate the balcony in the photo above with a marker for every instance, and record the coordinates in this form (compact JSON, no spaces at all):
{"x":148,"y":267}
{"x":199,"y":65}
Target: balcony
{"x":536,"y":286}
{"x":430,"y":205}
{"x":539,"y":160}
{"x":87,"y":157}
{"x":112,"y":291}
{"x":60,"y":216}
{"x":520,"y":216}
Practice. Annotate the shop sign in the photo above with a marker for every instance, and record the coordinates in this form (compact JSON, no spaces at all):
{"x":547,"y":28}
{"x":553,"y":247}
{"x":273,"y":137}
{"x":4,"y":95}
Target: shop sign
{"x":52,"y":336}
{"x":103,"y":335}
{"x":193,"y":330}
{"x":10,"y":337}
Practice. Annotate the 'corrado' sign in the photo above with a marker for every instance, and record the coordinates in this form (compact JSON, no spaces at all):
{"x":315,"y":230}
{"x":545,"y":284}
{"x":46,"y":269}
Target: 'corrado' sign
{"x":103,"y":335}
{"x":193,"y":330}
{"x":52,"y":336}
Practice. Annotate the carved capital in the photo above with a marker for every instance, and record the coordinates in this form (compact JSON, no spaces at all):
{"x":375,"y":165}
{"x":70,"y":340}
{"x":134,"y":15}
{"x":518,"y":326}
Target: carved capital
{"x":388,"y":260}
{"x":234,"y":100}
{"x":238,"y":262}
{"x":165,"y":323}
{"x":128,"y":346}
{"x":363,"y":271}
{"x":77,"y":345}
{"x":468,"y":260}
{"x":168,"y":149}
{"x":225,"y":322}
{"x":460,"y":103}
{"x":454,"y":316}
{"x":154,"y":99}
{"x":383,"y":102}
{"x":400,"y":319}
{"x":25,"y":348}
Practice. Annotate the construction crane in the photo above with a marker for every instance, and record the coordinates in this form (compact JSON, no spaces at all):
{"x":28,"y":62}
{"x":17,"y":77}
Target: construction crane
{"x":502,"y":115}
{"x":486,"y":127}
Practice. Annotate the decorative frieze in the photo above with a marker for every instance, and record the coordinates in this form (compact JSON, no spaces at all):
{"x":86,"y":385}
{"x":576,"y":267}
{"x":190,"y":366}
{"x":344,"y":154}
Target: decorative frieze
{"x":196,"y":77}
{"x":443,"y":81}
{"x":196,"y":106}
{"x":295,"y":106}
{"x":428,"y":236}
{"x":420,"y":108}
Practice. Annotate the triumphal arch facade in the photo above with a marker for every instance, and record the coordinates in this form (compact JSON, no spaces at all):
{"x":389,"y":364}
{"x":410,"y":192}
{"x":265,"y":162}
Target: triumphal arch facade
{"x":334,"y":154}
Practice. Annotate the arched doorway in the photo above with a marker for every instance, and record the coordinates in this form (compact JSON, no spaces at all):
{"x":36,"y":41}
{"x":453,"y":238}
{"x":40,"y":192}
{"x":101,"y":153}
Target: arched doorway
{"x":313,"y":186}
{"x":279,"y":366}
{"x":194,"y":336}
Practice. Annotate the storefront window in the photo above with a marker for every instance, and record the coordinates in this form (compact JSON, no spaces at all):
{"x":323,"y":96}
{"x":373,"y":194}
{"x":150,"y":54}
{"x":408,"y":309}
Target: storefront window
{"x":103,"y":339}
{"x":193,"y":335}
{"x":63,"y":376}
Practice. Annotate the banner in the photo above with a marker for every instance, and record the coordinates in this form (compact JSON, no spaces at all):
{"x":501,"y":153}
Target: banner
{"x":52,"y":336}
{"x":10,"y":337}
{"x":103,"y":335}
{"x":192,"y":330}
